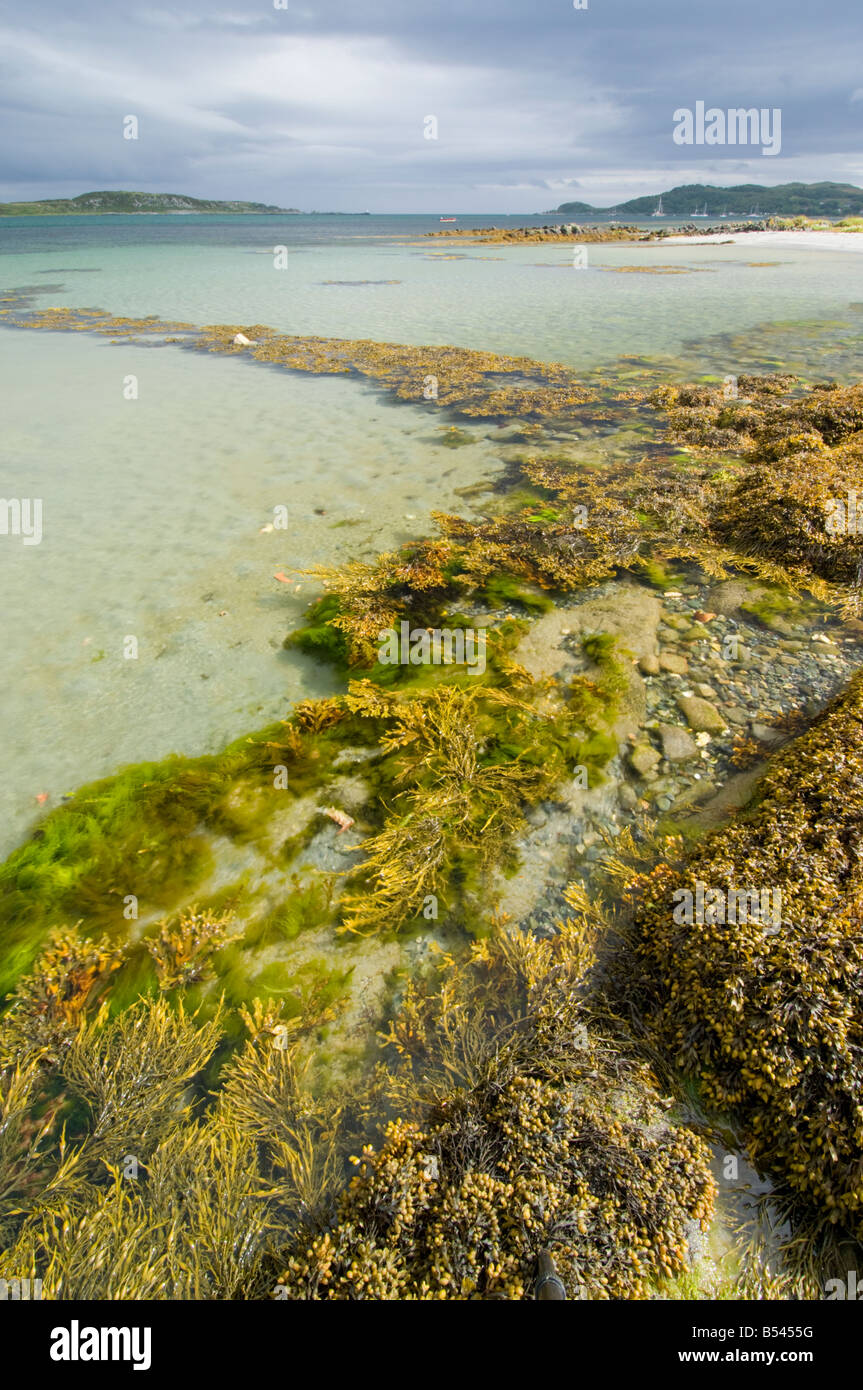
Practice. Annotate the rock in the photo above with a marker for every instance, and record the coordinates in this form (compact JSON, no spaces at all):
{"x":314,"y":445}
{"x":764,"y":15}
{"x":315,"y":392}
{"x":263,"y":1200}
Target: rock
{"x":696,"y":633}
{"x":676,"y":665}
{"x":630,"y":614}
{"x":628,"y":798}
{"x":767,"y":734}
{"x":690,"y":796}
{"x":735,"y":794}
{"x":240,"y":340}
{"x":736,"y":714}
{"x":702,"y":616}
{"x":677,"y":744}
{"x":535,"y":817}
{"x":726,"y":598}
{"x":643,"y":759}
{"x":649,"y":666}
{"x":853,"y":626}
{"x":705,"y":691}
{"x":781,"y":625}
{"x":701,"y":715}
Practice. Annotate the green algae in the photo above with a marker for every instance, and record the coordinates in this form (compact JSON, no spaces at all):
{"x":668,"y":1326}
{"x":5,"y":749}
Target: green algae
{"x":501,"y":590}
{"x":781,"y":612}
{"x":133,"y":844}
{"x":308,"y":906}
{"x":319,"y":637}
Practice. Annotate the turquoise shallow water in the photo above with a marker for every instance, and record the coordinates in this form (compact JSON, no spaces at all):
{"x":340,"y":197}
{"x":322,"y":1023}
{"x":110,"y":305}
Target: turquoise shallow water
{"x":522,"y":300}
{"x":153,"y":507}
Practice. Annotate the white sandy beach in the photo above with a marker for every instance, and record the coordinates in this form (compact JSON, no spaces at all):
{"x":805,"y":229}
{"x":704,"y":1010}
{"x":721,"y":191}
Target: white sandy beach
{"x":812,"y":241}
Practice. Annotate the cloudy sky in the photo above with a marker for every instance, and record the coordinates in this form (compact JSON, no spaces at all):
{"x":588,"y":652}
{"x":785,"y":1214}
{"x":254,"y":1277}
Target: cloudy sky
{"x":324,"y":105}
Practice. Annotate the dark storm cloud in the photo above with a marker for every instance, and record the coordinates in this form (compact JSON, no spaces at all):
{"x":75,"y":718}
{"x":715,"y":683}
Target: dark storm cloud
{"x":323,"y":105}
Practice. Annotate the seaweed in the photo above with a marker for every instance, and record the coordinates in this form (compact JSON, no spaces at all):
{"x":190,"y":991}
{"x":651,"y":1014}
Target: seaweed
{"x":767,"y":1018}
{"x":519,"y":1127}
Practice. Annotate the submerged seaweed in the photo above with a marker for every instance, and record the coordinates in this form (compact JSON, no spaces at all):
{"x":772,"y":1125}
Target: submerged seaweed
{"x":766,"y":1017}
{"x":518,"y":1123}
{"x":520,"y":1127}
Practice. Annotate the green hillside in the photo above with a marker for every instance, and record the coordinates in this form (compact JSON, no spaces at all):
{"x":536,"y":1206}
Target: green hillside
{"x":113,"y":201}
{"x":742,"y":200}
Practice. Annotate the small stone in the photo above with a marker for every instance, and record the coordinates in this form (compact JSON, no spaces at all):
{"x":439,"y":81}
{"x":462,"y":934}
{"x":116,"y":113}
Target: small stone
{"x":699,"y":791}
{"x":671,"y":662}
{"x":737,"y":715}
{"x":535,"y":817}
{"x":649,"y":665}
{"x":726,"y":598}
{"x":643,"y":759}
{"x":628,"y":798}
{"x":766,"y":733}
{"x":696,"y":633}
{"x":701,"y":715}
{"x":677,"y":744}
{"x":702,"y":616}
{"x":705,"y":691}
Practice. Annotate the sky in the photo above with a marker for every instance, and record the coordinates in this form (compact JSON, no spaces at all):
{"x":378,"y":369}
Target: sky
{"x":326,"y":106}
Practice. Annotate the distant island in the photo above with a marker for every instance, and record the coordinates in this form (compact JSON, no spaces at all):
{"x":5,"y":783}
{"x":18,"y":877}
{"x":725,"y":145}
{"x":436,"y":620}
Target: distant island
{"x":740,"y":200}
{"x":113,"y":201}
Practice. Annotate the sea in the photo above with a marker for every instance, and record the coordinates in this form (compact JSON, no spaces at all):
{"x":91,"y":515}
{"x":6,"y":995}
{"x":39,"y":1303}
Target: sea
{"x":148,"y":619}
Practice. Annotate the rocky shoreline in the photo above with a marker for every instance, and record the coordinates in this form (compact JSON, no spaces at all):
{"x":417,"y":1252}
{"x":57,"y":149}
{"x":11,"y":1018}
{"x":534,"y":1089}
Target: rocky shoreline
{"x":574,"y":231}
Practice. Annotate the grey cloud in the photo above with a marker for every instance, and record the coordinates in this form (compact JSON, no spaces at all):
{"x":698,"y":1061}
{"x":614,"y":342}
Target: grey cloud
{"x":322,"y":104}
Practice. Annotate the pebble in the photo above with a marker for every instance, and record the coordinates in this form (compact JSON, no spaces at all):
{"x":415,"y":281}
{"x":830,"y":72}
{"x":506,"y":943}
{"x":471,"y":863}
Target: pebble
{"x":677,"y":744}
{"x":643,"y":759}
{"x":701,"y":714}
{"x":674,"y":664}
{"x":736,"y":714}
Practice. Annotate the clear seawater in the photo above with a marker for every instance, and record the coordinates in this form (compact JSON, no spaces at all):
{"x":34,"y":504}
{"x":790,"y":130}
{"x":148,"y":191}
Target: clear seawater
{"x":153,"y":508}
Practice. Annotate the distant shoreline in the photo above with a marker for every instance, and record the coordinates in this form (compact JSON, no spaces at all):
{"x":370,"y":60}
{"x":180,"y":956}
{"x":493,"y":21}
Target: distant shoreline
{"x":164,"y":212}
